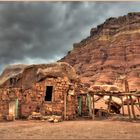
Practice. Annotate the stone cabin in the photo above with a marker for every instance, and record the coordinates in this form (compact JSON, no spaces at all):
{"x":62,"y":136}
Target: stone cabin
{"x":45,"y":88}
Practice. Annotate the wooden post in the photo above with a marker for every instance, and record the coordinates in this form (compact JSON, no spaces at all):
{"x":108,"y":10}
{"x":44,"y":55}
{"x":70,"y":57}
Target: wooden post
{"x":122,"y":106}
{"x":138,"y":101}
{"x":126,"y":85}
{"x":109,"y":104}
{"x":89,"y":104}
{"x":93,"y":111}
{"x":65,"y":106}
{"x":128,"y":107}
{"x":132,"y":107}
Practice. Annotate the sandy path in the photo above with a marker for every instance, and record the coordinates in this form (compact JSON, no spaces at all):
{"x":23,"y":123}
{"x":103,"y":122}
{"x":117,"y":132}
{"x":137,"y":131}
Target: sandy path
{"x":69,"y":130}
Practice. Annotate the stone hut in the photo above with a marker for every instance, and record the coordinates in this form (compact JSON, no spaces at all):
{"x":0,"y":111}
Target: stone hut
{"x":45,"y":88}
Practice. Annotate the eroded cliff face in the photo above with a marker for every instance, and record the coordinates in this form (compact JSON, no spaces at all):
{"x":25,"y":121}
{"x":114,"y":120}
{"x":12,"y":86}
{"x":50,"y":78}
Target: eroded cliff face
{"x":111,"y":52}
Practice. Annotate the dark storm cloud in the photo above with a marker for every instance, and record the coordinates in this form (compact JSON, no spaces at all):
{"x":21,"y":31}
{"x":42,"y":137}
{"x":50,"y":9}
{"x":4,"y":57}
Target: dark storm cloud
{"x":40,"y":32}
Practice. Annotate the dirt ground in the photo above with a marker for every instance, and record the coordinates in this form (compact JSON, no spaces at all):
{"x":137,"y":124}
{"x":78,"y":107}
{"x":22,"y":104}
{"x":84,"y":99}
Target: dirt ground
{"x":87,"y":129}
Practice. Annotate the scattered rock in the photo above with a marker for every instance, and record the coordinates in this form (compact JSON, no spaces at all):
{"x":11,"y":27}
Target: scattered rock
{"x":54,"y":119}
{"x":50,"y":118}
{"x":10,"y":117}
{"x":35,"y":116}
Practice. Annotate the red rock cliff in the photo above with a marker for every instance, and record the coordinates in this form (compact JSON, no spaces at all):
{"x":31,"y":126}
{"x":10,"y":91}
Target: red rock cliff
{"x":110,"y":52}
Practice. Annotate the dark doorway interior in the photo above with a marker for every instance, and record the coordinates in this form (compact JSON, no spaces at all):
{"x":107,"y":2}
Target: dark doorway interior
{"x":48,"y":96}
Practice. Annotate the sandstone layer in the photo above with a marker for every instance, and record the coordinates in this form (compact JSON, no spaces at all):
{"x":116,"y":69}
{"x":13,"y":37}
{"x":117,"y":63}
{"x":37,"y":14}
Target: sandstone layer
{"x":110,"y":54}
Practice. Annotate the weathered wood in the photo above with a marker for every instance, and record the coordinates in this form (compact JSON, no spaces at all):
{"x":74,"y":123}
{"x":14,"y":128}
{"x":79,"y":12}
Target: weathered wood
{"x":128,"y":108}
{"x":126,"y":85}
{"x":117,"y":94}
{"x":132,"y":107}
{"x":109,"y":104}
{"x":93,"y":111}
{"x":89,"y":104}
{"x":138,"y":101}
{"x":122,"y":106}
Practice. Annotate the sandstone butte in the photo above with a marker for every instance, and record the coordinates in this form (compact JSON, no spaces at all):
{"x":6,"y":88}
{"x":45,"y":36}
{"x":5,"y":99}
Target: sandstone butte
{"x":110,"y":54}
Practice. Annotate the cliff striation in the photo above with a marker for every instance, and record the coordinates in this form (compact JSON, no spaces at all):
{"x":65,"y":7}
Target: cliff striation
{"x":110,"y":54}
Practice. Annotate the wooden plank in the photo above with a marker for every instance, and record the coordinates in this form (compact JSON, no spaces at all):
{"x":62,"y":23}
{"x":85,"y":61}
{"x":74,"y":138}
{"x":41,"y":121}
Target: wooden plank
{"x":128,"y":107}
{"x":126,"y":85}
{"x":132,"y":107}
{"x":16,"y":108}
{"x":80,"y":106}
{"x":93,"y":111}
{"x":122,"y":106}
{"x":89,"y":104}
{"x":109,"y":104}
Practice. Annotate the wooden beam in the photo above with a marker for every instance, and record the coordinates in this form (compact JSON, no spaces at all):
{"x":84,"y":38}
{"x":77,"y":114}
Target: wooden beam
{"x":122,"y":106}
{"x":117,"y":94}
{"x":128,"y":107}
{"x":132,"y":107}
{"x":93,"y":111}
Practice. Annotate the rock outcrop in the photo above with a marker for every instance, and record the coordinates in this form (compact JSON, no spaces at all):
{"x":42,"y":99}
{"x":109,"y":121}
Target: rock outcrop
{"x":110,"y":53}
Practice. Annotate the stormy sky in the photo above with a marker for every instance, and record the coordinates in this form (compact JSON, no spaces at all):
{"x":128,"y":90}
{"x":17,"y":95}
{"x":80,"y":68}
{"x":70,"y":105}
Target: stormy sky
{"x":43,"y":32}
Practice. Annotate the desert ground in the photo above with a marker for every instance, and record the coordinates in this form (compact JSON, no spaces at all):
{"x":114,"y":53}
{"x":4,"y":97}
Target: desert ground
{"x":81,"y":129}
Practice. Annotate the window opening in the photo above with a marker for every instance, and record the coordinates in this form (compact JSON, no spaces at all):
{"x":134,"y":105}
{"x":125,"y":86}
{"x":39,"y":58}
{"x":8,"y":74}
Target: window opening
{"x":48,"y":95}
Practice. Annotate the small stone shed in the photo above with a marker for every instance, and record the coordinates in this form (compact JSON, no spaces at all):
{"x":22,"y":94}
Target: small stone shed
{"x":45,"y":88}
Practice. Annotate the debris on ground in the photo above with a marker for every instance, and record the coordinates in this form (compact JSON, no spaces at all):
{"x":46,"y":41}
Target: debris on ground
{"x":102,"y":113}
{"x":10,"y":117}
{"x":55,"y":119}
{"x":49,"y":118}
{"x":35,"y":116}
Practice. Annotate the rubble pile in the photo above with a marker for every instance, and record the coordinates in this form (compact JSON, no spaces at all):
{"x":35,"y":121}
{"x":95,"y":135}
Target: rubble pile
{"x":49,"y":118}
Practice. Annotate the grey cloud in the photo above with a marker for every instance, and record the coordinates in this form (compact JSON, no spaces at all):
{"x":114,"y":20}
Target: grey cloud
{"x":44,"y":31}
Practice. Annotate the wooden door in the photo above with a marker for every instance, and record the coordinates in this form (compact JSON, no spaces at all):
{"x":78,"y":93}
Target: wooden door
{"x":89,"y":104}
{"x":79,"y":106}
{"x":13,"y":108}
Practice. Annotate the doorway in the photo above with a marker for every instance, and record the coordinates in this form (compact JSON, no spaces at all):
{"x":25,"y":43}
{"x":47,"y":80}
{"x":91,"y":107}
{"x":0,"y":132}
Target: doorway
{"x":48,"y":95}
{"x":79,"y":105}
{"x":13,"y":108}
{"x":84,"y":106}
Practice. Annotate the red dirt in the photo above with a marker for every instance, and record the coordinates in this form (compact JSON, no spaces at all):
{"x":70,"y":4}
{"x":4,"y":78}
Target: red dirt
{"x":86,"y":129}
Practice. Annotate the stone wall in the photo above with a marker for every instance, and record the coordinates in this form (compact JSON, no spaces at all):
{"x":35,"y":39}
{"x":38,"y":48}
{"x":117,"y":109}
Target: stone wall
{"x":7,"y":95}
{"x":33,"y":99}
